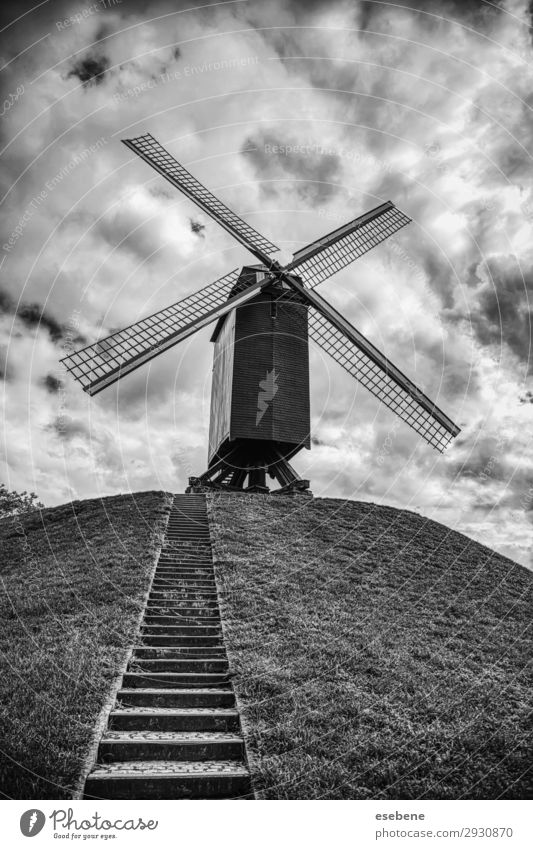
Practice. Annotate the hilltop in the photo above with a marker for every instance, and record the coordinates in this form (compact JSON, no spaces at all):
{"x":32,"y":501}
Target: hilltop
{"x":74,"y":580}
{"x":375,"y":654}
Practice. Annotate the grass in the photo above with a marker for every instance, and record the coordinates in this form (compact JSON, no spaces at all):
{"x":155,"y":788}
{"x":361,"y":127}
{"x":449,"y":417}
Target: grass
{"x":73,"y":583}
{"x":376,"y":654}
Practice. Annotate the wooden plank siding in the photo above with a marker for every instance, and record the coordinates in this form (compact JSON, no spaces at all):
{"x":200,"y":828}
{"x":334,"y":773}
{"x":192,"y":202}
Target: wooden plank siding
{"x":220,"y":419}
{"x":263,"y":340}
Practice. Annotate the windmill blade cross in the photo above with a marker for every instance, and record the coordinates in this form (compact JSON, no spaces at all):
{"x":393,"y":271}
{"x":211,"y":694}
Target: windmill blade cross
{"x":371,"y":367}
{"x":324,"y":257}
{"x":149,"y":149}
{"x":106,"y":361}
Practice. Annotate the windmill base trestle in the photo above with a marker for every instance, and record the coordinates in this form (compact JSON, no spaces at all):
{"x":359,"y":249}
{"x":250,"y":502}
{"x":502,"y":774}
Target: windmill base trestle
{"x":238,"y":472}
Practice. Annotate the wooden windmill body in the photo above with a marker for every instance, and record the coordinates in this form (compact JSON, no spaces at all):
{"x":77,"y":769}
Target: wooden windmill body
{"x":260,"y":405}
{"x":264,"y":316}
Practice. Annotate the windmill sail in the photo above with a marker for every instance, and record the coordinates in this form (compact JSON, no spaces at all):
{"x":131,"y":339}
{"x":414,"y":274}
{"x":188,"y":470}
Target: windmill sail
{"x":149,"y":149}
{"x":106,"y":361}
{"x":323,"y":258}
{"x":370,"y":367}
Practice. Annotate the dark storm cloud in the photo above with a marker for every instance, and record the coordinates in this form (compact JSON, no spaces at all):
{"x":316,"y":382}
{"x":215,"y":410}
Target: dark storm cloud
{"x":439,"y":276}
{"x":197,"y":227}
{"x":90,"y":70}
{"x":52,"y":384}
{"x":66,"y":428}
{"x":6,"y":303}
{"x":276,"y":157}
{"x":503,"y":312}
{"x":31,"y":315}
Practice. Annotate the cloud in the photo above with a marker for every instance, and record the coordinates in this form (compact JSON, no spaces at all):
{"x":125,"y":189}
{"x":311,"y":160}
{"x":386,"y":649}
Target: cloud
{"x":90,"y":70}
{"x":197,"y":227}
{"x":503,"y":312}
{"x":52,"y":384}
{"x":67,"y":429}
{"x":31,"y":316}
{"x":274,"y":157}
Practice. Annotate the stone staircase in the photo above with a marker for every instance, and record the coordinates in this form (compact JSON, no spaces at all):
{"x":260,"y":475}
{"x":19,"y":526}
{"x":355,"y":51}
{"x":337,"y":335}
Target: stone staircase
{"x":174,"y":731}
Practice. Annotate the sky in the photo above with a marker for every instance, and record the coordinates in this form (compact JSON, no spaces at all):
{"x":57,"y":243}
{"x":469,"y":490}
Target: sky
{"x":300,"y":116}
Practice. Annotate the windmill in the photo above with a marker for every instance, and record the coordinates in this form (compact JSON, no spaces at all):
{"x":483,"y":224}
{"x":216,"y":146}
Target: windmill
{"x":264,"y":316}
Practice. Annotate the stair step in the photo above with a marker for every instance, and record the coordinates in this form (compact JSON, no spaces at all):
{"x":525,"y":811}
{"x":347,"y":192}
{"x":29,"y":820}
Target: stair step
{"x":174,"y":679}
{"x":184,"y":698}
{"x":196,"y":521}
{"x":169,"y":780}
{"x":183,"y":621}
{"x":187,"y":598}
{"x":198,"y":517}
{"x":185,"y":579}
{"x":203,"y":572}
{"x":187,"y":615}
{"x":177,"y":651}
{"x":191,"y":584}
{"x":174,"y":719}
{"x":170,"y":745}
{"x":186,"y":664}
{"x":177,"y":535}
{"x":163,"y":597}
{"x":181,"y":557}
{"x":188,"y":543}
{"x":180,"y":591}
{"x":180,"y":607}
{"x":171,"y":641}
{"x":175,"y":620}
{"x":188,"y":585}
{"x":190,"y":600}
{"x":171,"y":625}
{"x":177,"y":640}
{"x":180,"y":565}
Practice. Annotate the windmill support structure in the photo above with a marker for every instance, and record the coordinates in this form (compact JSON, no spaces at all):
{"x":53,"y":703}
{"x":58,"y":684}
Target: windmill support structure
{"x":237,"y":472}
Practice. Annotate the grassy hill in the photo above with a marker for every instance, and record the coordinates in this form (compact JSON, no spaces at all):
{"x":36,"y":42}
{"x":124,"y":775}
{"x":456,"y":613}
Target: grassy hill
{"x":376,"y":654}
{"x":73,"y":585}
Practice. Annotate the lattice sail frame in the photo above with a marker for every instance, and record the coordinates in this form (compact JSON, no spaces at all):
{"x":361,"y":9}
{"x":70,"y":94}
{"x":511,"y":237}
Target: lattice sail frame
{"x":382,"y":385}
{"x":323,"y":258}
{"x":105,"y":361}
{"x":164,"y":163}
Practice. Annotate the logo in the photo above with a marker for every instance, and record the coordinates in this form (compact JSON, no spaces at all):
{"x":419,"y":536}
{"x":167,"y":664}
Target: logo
{"x":31,"y":822}
{"x":267,"y":391}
